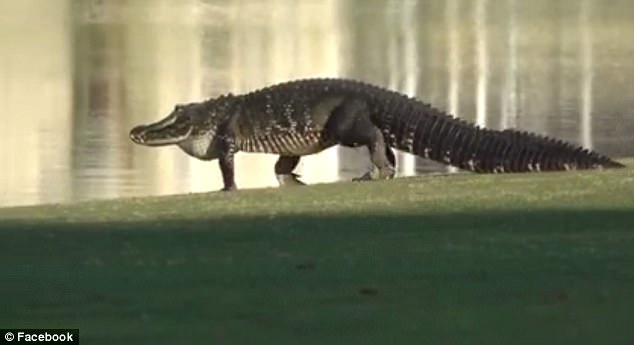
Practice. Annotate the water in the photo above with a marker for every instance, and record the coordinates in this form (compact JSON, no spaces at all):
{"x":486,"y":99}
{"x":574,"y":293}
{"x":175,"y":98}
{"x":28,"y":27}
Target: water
{"x":77,"y":75}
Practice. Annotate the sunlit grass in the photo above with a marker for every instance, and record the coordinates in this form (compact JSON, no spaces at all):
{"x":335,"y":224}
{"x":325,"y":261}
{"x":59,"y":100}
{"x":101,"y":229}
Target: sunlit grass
{"x":526,"y":258}
{"x":422,"y":195}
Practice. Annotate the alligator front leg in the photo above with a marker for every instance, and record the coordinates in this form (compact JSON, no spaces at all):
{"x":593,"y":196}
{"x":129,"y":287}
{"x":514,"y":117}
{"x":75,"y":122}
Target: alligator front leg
{"x":284,"y":171}
{"x":226,"y":150}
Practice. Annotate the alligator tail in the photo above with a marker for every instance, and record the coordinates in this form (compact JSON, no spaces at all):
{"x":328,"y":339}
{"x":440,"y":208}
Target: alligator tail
{"x":428,"y":132}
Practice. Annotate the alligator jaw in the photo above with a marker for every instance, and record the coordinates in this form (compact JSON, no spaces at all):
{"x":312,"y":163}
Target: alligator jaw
{"x":144,"y":135}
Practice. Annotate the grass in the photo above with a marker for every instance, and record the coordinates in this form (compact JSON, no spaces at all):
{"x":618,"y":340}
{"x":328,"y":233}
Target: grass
{"x":463,"y":259}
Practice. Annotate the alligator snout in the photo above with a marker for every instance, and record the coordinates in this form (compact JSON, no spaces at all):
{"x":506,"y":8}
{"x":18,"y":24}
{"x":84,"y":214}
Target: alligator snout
{"x":152,"y":135}
{"x":136,"y":134}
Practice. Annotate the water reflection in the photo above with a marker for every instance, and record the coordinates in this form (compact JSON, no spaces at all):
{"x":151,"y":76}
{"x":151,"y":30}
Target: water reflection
{"x":36,"y":97}
{"x":74,"y":84}
{"x":482,"y":61}
{"x":509,"y":91}
{"x":587,"y":74}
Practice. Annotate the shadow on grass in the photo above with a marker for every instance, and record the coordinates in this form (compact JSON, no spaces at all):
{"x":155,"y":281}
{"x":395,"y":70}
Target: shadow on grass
{"x":532,"y":221}
{"x":550,"y":276}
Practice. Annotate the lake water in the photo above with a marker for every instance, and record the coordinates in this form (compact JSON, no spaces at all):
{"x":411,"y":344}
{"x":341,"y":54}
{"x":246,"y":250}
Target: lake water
{"x":75,"y":76}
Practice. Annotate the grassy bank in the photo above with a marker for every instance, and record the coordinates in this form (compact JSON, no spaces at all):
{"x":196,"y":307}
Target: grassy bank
{"x":463,"y":259}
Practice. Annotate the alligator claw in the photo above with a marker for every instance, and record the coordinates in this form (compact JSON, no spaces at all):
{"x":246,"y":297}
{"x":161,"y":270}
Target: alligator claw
{"x":365,"y":177}
{"x":229,"y":189}
{"x":383,"y":174}
{"x":289,"y":180}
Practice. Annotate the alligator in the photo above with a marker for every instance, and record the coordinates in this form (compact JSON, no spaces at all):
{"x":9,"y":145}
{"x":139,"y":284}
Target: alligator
{"x":303,"y":117}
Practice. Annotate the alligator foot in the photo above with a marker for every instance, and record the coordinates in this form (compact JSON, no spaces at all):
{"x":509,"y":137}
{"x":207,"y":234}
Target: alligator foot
{"x":387,"y":173}
{"x":289,"y":180}
{"x":383,"y":174}
{"x":365,"y":177}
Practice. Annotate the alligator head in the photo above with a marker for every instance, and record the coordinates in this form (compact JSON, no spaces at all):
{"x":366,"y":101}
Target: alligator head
{"x":187,"y":122}
{"x":191,"y":126}
{"x":174,"y":129}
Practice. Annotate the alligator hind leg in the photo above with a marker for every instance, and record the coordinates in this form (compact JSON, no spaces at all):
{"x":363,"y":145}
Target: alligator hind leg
{"x":284,"y":171}
{"x":391,"y":158}
{"x":389,"y":153}
{"x":380,"y":158}
{"x":350,"y":125}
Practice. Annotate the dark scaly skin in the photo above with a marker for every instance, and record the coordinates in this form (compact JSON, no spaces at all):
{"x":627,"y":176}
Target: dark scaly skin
{"x":303,"y":117}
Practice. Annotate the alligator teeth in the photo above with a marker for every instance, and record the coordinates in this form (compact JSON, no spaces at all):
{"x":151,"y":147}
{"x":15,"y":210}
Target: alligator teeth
{"x":169,"y":140}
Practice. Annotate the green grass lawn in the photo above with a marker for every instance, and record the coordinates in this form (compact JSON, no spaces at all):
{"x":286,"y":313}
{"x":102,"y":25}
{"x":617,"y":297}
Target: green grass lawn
{"x":462,"y":259}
